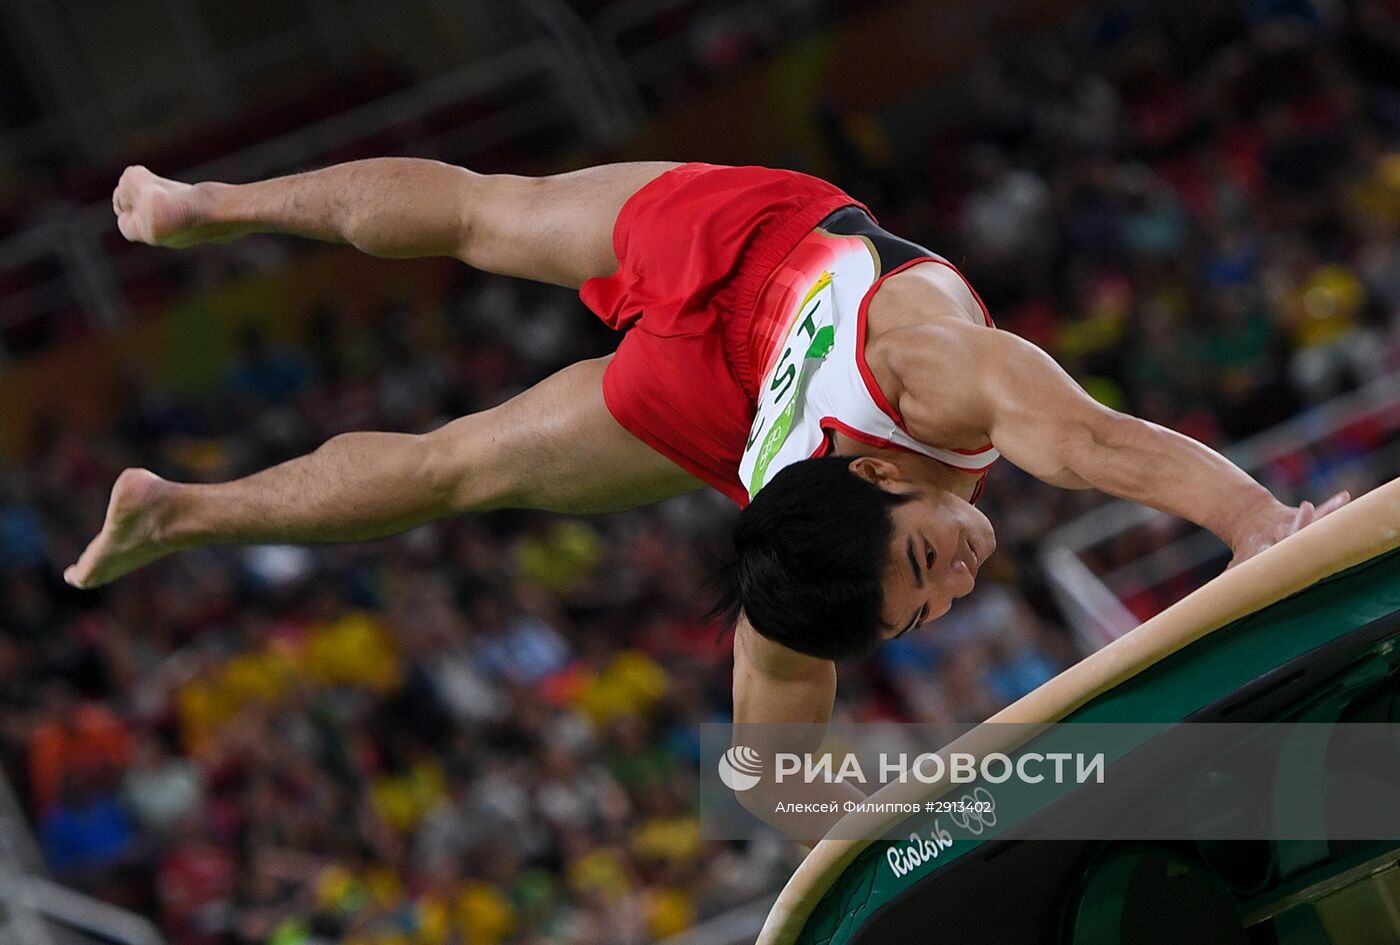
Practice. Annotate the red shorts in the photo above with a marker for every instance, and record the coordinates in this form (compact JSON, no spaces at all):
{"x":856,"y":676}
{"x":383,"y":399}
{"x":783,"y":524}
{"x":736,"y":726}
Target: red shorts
{"x":695,"y":247}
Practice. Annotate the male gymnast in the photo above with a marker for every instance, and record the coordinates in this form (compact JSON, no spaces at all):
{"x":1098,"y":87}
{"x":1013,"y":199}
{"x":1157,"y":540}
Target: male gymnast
{"x":845,"y":386}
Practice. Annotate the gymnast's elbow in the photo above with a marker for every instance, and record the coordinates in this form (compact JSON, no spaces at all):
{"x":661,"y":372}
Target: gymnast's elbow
{"x":1098,"y":450}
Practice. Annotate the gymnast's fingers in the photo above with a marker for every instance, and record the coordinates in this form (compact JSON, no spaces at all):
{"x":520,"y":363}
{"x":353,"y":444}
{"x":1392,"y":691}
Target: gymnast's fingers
{"x":1333,"y":504}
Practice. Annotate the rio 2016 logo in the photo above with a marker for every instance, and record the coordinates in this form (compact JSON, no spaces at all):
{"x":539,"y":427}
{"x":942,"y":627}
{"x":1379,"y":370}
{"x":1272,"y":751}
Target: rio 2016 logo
{"x":740,"y":768}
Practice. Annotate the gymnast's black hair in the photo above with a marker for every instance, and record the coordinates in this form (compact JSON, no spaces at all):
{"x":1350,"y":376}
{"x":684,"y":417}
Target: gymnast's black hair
{"x":810,"y":553}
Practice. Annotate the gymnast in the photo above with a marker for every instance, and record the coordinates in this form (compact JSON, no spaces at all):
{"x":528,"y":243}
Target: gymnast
{"x":844,"y":386}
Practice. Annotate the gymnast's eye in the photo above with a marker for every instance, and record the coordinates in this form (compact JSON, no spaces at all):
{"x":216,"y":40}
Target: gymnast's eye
{"x":930,"y":556}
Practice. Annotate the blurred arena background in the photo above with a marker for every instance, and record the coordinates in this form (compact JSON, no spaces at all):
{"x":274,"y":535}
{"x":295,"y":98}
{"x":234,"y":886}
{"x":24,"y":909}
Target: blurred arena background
{"x":484,"y":732}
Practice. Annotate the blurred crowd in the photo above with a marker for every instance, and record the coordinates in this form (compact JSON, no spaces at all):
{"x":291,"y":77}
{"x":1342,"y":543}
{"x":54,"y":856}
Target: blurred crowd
{"x":486,"y":731}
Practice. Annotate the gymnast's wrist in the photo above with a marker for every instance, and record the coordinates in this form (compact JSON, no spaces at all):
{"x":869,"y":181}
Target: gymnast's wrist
{"x":1256,"y":513}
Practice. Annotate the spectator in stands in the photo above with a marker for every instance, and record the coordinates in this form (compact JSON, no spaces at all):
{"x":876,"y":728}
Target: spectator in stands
{"x":87,"y":832}
{"x":73,"y":737}
{"x":160,"y":788}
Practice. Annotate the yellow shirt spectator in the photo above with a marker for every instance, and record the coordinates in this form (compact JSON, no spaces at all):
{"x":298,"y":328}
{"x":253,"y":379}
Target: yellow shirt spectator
{"x":630,"y":684}
{"x":670,"y":911}
{"x":1378,"y":195}
{"x":353,"y":650}
{"x":403,"y":799}
{"x":599,"y":872}
{"x":432,"y":920}
{"x":671,"y":839}
{"x":484,"y":915}
{"x":202,"y":706}
{"x":338,"y":889}
{"x":1324,"y":306}
{"x":562,"y":558}
{"x":261,"y":676}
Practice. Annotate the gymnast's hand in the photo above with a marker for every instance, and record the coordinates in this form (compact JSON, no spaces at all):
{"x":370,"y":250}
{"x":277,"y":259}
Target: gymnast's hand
{"x":161,"y":212}
{"x":1276,"y":523}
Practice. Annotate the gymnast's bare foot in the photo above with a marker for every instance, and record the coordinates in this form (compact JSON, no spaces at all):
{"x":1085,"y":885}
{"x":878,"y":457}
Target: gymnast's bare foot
{"x":161,"y":212}
{"x":131,"y":535}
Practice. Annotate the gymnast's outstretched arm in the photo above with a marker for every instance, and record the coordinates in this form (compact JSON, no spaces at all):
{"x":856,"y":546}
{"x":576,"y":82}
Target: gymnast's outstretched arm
{"x":1044,"y":422}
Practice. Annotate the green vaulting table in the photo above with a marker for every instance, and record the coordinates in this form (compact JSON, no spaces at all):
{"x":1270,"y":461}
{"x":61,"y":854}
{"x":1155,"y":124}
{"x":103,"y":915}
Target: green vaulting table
{"x":1308,"y":631}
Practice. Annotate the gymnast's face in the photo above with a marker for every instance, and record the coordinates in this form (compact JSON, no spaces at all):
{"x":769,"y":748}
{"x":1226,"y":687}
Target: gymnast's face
{"x":940,"y":541}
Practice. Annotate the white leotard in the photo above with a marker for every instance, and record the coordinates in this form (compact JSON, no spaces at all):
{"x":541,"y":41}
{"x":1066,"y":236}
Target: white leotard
{"x":815,"y":378}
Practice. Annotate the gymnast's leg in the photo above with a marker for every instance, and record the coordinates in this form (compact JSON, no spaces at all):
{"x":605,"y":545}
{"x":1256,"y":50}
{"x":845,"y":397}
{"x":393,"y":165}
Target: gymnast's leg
{"x":555,"y":229}
{"x":553,"y":447}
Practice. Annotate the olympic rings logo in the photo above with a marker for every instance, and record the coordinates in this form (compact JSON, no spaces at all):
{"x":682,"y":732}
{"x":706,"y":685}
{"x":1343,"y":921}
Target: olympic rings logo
{"x":974,"y":812}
